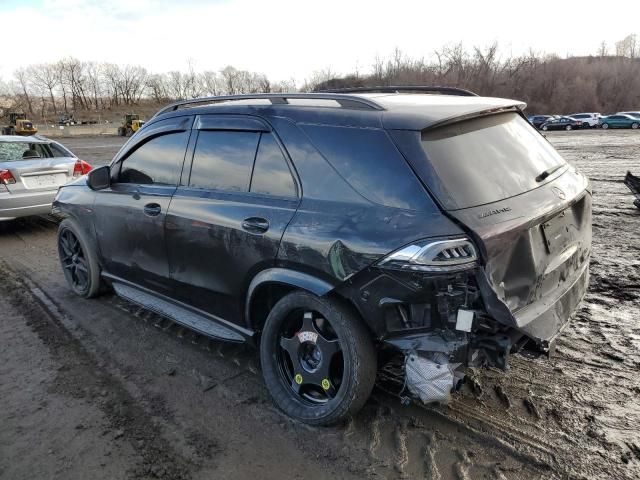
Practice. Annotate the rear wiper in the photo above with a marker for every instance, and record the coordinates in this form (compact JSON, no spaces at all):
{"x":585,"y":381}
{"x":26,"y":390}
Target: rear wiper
{"x":547,"y":172}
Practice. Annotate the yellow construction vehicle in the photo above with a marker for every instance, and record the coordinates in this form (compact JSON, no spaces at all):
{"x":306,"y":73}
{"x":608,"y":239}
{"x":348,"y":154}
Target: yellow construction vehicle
{"x":19,"y":125}
{"x":130,"y":125}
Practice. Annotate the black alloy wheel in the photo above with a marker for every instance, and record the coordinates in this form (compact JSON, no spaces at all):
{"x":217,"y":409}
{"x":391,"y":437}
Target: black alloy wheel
{"x":74,"y":263}
{"x":318,"y":358}
{"x":310,"y":359}
{"x":79,"y":262}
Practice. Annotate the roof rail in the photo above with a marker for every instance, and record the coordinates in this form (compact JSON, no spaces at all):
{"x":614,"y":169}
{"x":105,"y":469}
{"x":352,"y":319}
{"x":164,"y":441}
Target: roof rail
{"x":345,"y":101}
{"x":405,"y":89}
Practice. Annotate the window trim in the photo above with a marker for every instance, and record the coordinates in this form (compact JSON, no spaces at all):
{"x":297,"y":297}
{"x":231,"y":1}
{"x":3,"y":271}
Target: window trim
{"x":268,"y":129}
{"x":149,"y":131}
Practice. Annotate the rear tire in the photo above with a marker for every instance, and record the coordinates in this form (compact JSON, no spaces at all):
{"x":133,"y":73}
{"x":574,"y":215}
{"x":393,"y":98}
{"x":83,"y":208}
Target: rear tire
{"x":568,"y":127}
{"x":545,"y":128}
{"x":634,"y":126}
{"x":78,"y":260}
{"x":345,"y":366}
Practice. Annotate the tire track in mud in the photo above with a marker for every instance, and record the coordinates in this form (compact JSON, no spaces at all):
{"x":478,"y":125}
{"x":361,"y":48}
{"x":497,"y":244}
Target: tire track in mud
{"x":82,"y":376}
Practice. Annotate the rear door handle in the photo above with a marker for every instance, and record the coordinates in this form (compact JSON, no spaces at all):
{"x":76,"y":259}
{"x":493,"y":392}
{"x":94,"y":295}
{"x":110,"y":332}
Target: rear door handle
{"x":255,"y":225}
{"x":152,"y":209}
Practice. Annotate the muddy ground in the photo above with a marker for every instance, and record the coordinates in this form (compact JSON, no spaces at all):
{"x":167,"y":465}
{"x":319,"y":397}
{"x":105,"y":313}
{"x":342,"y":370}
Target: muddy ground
{"x":104,"y":389}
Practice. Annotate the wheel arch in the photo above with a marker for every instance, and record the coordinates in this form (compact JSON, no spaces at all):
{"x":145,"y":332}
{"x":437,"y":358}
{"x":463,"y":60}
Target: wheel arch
{"x":270,"y":285}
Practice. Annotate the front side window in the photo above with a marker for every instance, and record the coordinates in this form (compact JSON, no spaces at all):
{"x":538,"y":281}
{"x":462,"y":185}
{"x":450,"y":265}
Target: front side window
{"x":223,"y":160}
{"x":271,"y":174}
{"x":157,"y":161}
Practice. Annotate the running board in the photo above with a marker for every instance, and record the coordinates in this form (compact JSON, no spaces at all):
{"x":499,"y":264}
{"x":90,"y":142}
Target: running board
{"x":183,"y":316}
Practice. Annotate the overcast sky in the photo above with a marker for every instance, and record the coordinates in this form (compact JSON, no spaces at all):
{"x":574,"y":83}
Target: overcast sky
{"x":291,"y":39}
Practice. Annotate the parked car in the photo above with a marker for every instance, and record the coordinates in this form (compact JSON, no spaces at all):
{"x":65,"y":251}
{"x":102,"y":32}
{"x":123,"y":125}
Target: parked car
{"x":328,"y":227}
{"x":620,"y":121}
{"x":537,"y":120}
{"x":632,"y":114}
{"x":561,"y":123}
{"x":589,"y":120}
{"x":31,"y":170}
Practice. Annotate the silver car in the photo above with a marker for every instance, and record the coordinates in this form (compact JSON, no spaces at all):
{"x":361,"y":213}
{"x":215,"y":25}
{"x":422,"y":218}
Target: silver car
{"x":31,"y":170}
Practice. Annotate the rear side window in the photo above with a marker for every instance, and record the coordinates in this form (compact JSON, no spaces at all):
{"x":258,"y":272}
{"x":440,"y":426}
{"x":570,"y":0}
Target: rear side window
{"x":14,"y":151}
{"x":223,"y":160}
{"x":487,"y":159}
{"x":60,"y":151}
{"x":370,"y":162}
{"x":271,"y":174}
{"x":158,"y":161}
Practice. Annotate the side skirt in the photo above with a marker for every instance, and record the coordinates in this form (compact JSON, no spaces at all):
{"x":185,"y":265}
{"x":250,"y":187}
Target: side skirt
{"x":185,"y":315}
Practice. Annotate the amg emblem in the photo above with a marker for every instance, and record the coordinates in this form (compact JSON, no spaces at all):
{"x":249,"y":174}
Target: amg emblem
{"x":496,"y":211}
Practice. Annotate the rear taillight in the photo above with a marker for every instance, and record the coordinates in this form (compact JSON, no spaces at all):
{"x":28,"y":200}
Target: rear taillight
{"x":81,"y":168}
{"x":434,"y":256}
{"x":6,"y":178}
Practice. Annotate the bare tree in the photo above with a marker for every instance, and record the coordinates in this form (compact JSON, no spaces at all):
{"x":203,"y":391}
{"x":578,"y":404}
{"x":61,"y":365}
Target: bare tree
{"x":628,"y":46}
{"x":22,"y":78}
{"x":46,"y":78}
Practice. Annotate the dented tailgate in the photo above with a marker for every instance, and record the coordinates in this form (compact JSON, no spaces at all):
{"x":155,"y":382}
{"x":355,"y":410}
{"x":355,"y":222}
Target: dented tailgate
{"x":536,"y":249}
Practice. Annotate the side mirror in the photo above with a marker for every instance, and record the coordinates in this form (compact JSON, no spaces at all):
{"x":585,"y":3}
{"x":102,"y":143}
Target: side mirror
{"x":99,"y":178}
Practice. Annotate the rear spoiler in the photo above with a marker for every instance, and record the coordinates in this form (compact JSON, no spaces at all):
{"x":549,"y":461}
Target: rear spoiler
{"x":480,"y":113}
{"x":422,"y":117}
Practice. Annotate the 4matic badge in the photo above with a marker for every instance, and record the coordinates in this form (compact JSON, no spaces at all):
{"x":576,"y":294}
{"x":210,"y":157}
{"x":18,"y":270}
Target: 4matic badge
{"x":495,"y":211}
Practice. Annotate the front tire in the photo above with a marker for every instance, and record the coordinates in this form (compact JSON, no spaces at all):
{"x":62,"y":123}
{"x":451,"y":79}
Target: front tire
{"x":318,"y":359}
{"x":78,"y":260}
{"x":545,"y":128}
{"x":605,"y":126}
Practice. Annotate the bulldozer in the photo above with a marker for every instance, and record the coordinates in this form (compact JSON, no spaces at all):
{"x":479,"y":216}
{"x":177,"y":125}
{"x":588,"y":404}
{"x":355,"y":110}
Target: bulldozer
{"x":19,"y":125}
{"x":130,"y":125}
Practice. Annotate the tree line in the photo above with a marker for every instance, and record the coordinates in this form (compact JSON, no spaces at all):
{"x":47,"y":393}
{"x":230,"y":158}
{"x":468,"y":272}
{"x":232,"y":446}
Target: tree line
{"x":605,"y":82}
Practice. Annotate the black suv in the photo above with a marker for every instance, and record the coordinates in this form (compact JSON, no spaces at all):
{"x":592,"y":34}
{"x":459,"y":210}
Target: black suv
{"x":334,"y":229}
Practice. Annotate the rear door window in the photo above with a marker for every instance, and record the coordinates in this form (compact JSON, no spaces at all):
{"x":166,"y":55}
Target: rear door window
{"x":223,"y":160}
{"x":271,"y":174}
{"x":157,"y":161}
{"x":487,"y":159}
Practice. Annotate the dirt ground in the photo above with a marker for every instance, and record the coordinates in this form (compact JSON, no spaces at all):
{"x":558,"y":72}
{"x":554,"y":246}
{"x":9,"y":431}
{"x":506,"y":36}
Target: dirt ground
{"x":103,"y":389}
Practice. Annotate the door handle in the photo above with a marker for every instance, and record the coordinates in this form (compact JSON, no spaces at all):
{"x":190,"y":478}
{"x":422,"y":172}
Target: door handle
{"x":255,"y":225}
{"x":152,"y":209}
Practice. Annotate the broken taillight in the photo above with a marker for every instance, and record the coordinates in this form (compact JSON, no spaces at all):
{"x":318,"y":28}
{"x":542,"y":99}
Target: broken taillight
{"x":6,"y":178}
{"x":433,"y":256}
{"x":81,"y":168}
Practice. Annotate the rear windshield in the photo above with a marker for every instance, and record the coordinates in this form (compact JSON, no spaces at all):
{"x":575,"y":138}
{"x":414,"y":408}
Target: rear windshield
{"x":14,"y":151}
{"x":487,"y":159}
